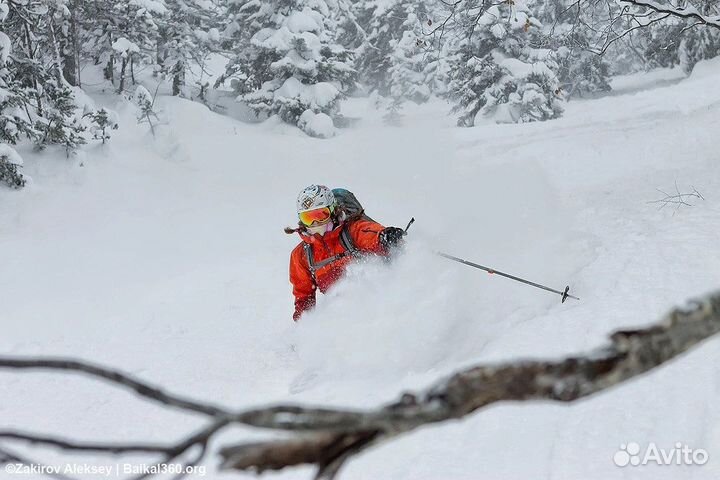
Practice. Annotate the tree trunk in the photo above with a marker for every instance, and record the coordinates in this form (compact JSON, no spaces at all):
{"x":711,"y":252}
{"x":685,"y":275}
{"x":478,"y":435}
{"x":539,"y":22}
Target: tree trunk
{"x":178,"y":77}
{"x":57,"y":47}
{"x":109,"y":69}
{"x":121,"y":86}
{"x":70,"y":51}
{"x":132,"y":69}
{"x":28,"y":45}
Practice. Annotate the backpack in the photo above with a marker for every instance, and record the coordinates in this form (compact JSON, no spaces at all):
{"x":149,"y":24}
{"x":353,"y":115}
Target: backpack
{"x":348,"y":205}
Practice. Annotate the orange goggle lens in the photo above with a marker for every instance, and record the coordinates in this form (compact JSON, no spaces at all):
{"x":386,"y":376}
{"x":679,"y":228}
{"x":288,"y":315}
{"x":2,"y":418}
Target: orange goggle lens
{"x":318,"y":215}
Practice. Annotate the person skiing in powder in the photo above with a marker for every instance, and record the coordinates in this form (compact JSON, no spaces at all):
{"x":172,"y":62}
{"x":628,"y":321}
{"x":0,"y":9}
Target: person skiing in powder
{"x":333,"y":234}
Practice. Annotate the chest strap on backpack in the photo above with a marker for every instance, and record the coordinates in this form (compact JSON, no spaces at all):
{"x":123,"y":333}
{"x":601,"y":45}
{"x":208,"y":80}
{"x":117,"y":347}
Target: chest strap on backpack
{"x":347,"y":243}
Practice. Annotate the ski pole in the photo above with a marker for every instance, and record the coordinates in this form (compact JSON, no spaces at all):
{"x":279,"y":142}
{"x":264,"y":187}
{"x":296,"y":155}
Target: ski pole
{"x":412,"y":220}
{"x":564,"y":294}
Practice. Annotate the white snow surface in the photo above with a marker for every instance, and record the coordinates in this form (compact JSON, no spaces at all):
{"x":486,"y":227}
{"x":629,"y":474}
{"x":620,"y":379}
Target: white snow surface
{"x":123,"y":45}
{"x":165,"y":257}
{"x":319,"y":95}
{"x":5,"y":48}
{"x":306,"y":20}
{"x":317,"y":124}
{"x":155,"y":6}
{"x":520,"y":69}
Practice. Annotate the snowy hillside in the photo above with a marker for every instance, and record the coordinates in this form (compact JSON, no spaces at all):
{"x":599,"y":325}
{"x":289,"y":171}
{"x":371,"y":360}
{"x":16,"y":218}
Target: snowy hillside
{"x":165,"y":257}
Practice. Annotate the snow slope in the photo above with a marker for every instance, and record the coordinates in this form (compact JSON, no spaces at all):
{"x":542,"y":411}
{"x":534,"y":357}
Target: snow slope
{"x":165,"y":257}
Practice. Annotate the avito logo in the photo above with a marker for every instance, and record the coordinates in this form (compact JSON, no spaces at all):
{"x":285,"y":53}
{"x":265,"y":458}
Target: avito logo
{"x":681,"y":454}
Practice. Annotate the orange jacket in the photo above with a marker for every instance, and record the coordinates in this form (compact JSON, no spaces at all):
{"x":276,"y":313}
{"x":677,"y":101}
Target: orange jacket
{"x":365,"y":236}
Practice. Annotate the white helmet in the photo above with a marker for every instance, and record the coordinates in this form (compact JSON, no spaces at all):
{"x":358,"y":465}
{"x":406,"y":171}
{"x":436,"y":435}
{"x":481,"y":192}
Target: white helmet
{"x":315,"y":196}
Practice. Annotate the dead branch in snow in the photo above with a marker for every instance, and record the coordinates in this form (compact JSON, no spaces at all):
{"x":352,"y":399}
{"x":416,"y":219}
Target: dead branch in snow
{"x":678,"y":199}
{"x":327,"y":438}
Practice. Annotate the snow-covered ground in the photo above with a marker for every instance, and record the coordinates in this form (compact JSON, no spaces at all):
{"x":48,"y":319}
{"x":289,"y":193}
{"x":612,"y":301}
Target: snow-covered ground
{"x":166,"y":257}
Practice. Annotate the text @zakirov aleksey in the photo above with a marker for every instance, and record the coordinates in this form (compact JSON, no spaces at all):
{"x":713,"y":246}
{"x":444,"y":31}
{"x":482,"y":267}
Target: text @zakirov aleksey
{"x":116,"y":470}
{"x":633,"y":455}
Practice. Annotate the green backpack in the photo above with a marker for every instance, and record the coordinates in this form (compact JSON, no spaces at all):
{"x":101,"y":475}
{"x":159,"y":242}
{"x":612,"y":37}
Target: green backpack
{"x":349,"y":206}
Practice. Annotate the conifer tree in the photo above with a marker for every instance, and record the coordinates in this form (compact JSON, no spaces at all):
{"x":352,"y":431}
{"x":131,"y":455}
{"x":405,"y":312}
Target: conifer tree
{"x":383,"y":22}
{"x":411,"y":55}
{"x":293,"y":63}
{"x":495,"y":70}
{"x":10,"y":165}
{"x":580,"y":70}
{"x":187,"y":34}
{"x":37,"y":103}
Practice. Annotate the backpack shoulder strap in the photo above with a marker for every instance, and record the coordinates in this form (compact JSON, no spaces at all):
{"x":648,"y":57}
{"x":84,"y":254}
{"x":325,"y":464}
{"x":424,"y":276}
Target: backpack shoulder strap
{"x":347,"y":241}
{"x":310,"y":260}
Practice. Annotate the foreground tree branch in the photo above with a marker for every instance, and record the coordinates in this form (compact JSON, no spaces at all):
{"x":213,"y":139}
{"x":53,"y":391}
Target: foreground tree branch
{"x":327,"y":438}
{"x":631,"y":353}
{"x":144,"y":389}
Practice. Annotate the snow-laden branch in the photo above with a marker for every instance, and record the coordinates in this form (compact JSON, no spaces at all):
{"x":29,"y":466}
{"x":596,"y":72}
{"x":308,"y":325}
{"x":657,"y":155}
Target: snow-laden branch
{"x":689,"y":11}
{"x":327,"y":437}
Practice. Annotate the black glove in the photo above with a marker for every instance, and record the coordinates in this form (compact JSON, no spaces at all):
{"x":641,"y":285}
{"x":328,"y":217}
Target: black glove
{"x":391,"y":237}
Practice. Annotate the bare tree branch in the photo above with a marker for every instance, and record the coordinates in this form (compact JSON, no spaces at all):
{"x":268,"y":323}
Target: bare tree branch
{"x":36,"y":439}
{"x":327,"y":438}
{"x":201,"y":438}
{"x":116,"y":377}
{"x":631,"y":353}
{"x":689,"y":12}
{"x":679,"y":199}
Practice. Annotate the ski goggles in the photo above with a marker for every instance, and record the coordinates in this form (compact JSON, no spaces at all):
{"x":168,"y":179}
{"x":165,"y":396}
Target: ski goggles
{"x":319,"y":215}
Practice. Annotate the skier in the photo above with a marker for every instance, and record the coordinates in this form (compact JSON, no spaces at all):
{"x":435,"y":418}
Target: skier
{"x":334,"y":231}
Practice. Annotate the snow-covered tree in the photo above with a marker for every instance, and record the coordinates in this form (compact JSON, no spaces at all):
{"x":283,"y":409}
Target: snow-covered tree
{"x":395,"y":50}
{"x":293,"y":62}
{"x":121,"y":33}
{"x":581,"y":71}
{"x":698,"y":44}
{"x":103,"y":121}
{"x":237,"y":30}
{"x":146,"y":108}
{"x":13,"y":124}
{"x":10,"y":165}
{"x":187,"y":34}
{"x":410,"y":56}
{"x":670,"y":43}
{"x":137,"y":34}
{"x":10,"y":161}
{"x":36,"y":101}
{"x":495,"y":72}
{"x":383,"y":23}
